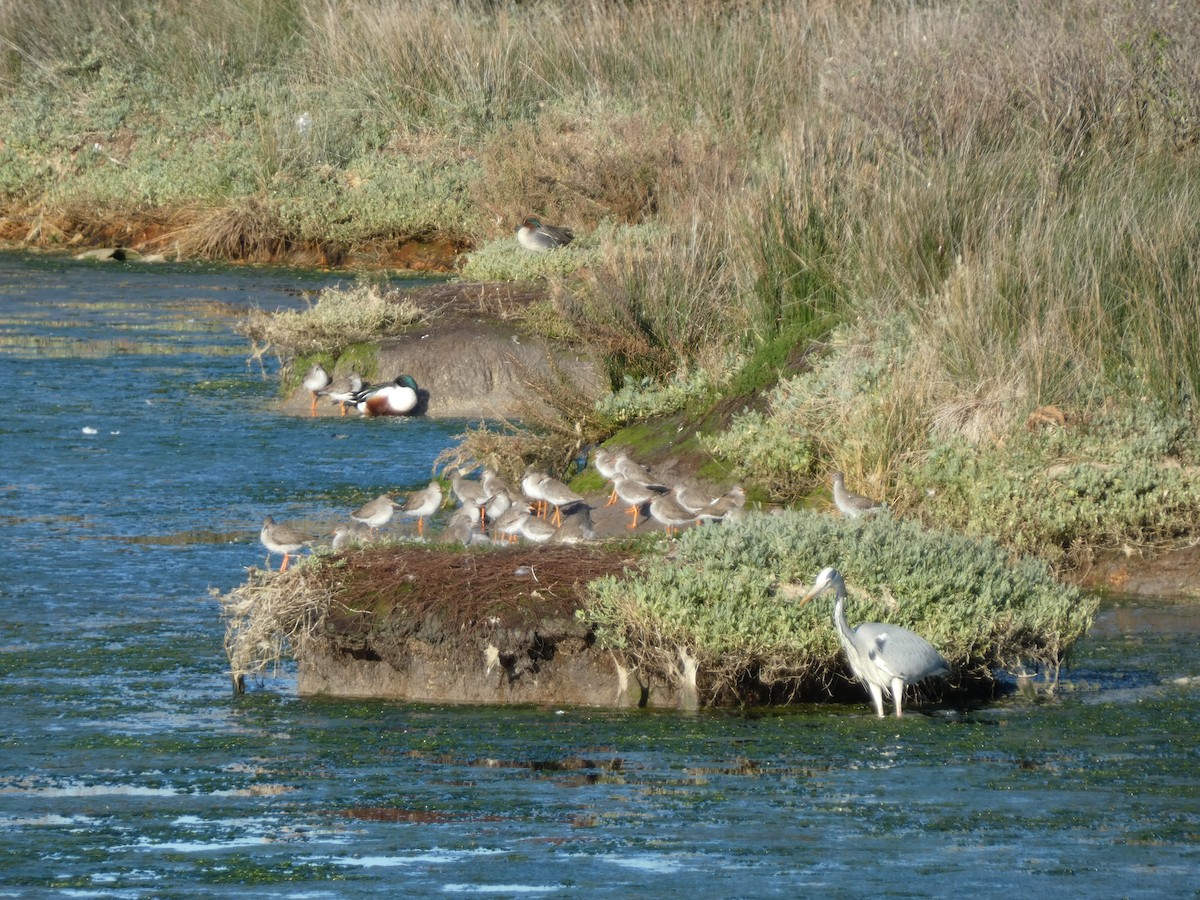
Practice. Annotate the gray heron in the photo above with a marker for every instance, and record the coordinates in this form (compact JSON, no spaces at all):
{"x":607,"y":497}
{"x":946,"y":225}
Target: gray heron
{"x":883,"y":657}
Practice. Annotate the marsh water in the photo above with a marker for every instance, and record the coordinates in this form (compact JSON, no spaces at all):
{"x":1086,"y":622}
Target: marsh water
{"x":139,"y":452}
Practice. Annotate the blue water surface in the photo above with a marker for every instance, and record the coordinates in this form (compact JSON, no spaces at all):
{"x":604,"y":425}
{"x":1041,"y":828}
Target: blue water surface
{"x":139,"y":451}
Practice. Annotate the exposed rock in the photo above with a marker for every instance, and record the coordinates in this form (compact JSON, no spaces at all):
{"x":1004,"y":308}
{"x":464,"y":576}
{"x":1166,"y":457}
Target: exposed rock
{"x":473,"y":358}
{"x":561,"y":668}
{"x":477,"y":370}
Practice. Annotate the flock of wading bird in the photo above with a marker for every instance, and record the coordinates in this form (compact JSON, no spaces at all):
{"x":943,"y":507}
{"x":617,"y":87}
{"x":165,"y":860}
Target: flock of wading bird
{"x":886,"y":659}
{"x":541,"y":510}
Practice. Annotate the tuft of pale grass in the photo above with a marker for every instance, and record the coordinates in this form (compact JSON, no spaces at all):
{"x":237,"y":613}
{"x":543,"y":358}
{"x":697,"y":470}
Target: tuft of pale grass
{"x":579,"y":171}
{"x":273,"y":615}
{"x":340,"y":317}
{"x":250,"y":229}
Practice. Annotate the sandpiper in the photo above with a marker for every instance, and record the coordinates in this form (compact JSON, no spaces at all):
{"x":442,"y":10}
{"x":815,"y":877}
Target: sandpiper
{"x":422,"y":503}
{"x":316,"y":379}
{"x":537,"y":530}
{"x":501,"y":495}
{"x":670,"y":512}
{"x":557,"y":495}
{"x":375,"y":513}
{"x":345,"y":536}
{"x":344,"y":391}
{"x":462,"y":527}
{"x":636,"y":495}
{"x":576,"y":528}
{"x":470,"y":493}
{"x":725,"y":506}
{"x":280,"y":538}
{"x":627,"y":468}
{"x":507,"y":527}
{"x":692,"y":497}
{"x":606,"y":464}
{"x":531,"y":487}
{"x":853,"y":505}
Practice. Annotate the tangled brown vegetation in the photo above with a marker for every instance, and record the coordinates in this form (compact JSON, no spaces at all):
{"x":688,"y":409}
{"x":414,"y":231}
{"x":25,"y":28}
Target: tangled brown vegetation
{"x":390,"y":593}
{"x":508,"y":588}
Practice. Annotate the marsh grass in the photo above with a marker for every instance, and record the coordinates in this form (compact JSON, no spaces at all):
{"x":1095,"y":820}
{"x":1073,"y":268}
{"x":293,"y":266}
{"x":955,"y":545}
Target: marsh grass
{"x":1013,"y":185}
{"x":339,"y":318}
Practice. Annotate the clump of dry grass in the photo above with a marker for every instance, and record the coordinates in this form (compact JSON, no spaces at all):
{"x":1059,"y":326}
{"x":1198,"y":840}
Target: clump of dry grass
{"x":553,"y":429}
{"x":650,"y":310}
{"x":339,"y":318}
{"x":249,"y":229}
{"x":273,"y":615}
{"x":577,"y":171}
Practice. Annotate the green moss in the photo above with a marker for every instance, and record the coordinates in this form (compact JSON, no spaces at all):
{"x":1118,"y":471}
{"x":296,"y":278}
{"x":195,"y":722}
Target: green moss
{"x":362,"y":357}
{"x":769,"y":359}
{"x":648,"y":439}
{"x":589,"y":481}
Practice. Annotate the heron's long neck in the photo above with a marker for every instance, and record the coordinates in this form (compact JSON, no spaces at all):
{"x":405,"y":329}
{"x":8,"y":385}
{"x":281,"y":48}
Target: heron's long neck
{"x":839,"y":616}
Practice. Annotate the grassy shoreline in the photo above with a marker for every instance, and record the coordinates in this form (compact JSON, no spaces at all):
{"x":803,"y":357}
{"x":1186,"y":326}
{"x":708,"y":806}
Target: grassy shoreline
{"x":950,"y":250}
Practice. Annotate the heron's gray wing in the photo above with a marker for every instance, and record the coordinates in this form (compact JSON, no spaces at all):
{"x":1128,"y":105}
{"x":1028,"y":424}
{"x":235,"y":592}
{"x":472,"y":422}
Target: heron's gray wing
{"x":901,"y":653}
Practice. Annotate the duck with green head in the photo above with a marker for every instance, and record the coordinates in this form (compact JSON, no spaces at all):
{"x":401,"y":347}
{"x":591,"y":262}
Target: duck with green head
{"x":533,"y":235}
{"x":397,"y":398}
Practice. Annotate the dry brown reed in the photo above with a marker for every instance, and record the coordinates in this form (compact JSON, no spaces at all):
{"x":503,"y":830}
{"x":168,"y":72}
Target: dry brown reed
{"x":553,"y":427}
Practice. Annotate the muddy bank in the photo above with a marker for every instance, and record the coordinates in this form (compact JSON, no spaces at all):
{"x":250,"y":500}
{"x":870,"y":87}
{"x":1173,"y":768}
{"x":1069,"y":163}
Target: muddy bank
{"x":474,"y":358}
{"x":185,"y":234}
{"x":1166,"y":573}
{"x":548,"y":665}
{"x":446,"y":625}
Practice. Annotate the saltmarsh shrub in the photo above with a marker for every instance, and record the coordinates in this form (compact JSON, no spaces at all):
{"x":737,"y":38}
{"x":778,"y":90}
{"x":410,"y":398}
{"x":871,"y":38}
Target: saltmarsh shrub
{"x":856,"y":411}
{"x":646,"y":398}
{"x":1121,"y":477}
{"x":728,"y":595}
{"x":340,"y":317}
